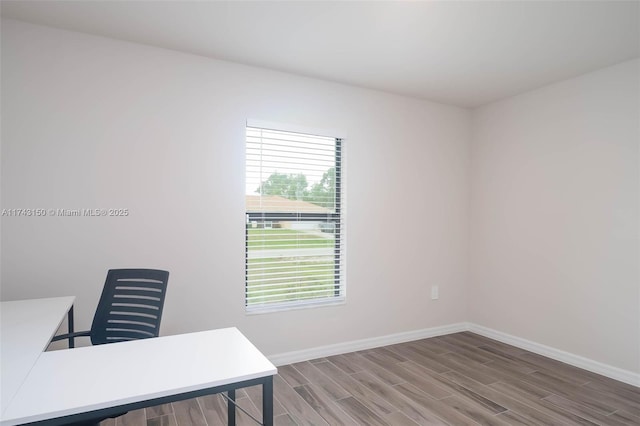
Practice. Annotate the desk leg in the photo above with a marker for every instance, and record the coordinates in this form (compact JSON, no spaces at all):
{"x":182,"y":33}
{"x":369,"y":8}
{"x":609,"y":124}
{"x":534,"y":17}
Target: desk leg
{"x":70,"y":327}
{"x":267,"y":402}
{"x":231,"y":407}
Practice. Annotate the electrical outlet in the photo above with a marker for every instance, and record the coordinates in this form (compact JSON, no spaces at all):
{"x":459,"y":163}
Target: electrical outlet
{"x":434,"y":292}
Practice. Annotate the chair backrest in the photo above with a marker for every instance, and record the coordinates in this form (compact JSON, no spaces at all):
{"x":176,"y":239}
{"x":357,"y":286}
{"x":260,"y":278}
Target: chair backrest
{"x":130,"y":306}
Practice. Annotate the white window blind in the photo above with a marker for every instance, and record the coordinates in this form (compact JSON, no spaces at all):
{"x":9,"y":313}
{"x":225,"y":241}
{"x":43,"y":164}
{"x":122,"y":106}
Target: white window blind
{"x":294,"y":226}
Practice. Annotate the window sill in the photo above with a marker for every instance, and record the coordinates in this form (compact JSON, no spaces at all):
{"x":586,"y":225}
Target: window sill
{"x":293,"y":306}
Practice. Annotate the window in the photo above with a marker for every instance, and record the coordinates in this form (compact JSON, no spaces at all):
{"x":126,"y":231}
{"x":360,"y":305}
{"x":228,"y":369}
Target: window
{"x":294,"y":239}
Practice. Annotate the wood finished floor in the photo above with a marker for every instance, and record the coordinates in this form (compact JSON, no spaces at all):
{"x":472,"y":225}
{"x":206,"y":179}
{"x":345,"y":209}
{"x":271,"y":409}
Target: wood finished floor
{"x":459,"y":379}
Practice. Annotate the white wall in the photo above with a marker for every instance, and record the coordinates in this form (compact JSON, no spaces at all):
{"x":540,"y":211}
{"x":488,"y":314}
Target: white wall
{"x":89,"y":122}
{"x":555,"y":186}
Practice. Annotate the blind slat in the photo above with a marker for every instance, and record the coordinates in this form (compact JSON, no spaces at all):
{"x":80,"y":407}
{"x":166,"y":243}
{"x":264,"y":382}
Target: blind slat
{"x":305,"y":286}
{"x":292,"y":293}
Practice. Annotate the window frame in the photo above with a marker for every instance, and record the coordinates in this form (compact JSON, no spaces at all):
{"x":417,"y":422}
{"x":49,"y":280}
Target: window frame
{"x":336,"y":218}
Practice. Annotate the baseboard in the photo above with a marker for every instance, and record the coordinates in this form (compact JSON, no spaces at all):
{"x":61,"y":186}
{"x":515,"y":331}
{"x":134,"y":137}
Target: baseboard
{"x":391,"y":339}
{"x":359,"y":345}
{"x":559,"y":355}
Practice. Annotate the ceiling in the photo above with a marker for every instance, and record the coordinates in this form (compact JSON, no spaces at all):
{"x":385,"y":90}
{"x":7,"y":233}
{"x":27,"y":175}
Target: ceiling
{"x":461,"y":53}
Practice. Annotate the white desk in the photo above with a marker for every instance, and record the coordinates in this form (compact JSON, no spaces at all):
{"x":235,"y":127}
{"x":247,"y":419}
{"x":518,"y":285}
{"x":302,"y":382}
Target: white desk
{"x":26,"y":328}
{"x":84,"y":383}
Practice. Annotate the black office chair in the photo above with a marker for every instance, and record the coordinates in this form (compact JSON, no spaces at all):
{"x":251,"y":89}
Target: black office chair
{"x":130,"y":307}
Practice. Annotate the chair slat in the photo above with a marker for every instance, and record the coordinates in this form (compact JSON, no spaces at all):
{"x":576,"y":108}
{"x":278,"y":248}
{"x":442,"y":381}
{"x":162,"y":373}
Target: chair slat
{"x":130,"y":306}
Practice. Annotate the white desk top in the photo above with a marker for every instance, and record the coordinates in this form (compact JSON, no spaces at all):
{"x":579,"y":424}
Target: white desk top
{"x":83,"y":379}
{"x":26,"y":328}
